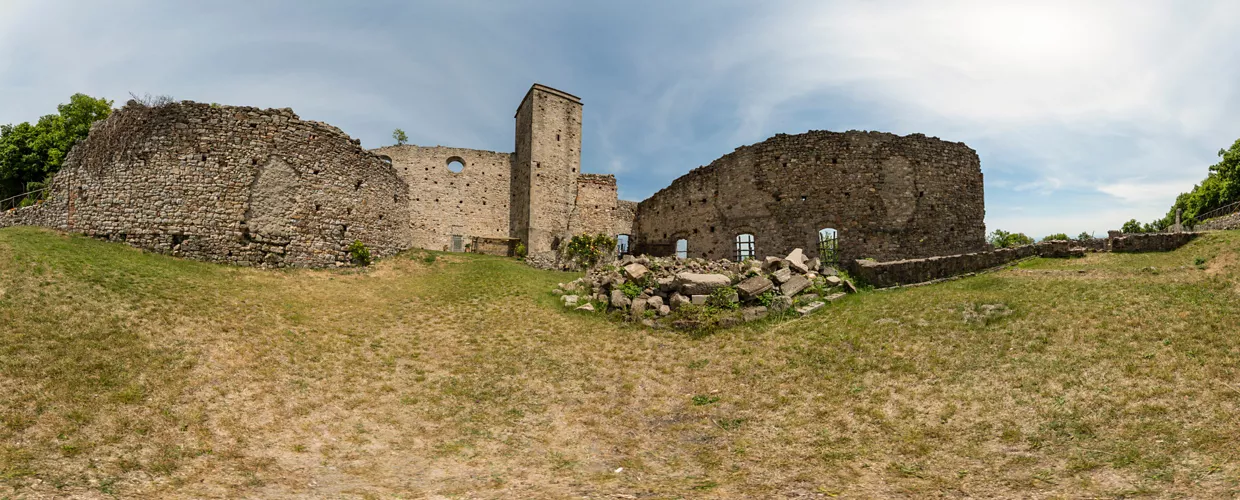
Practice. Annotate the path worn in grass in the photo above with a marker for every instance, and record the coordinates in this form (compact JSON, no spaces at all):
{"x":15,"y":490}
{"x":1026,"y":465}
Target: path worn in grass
{"x":130,"y":374}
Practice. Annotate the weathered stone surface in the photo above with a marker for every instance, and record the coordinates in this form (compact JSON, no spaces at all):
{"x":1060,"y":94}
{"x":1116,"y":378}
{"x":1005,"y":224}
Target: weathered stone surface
{"x":698,"y":300}
{"x":781,"y":303}
{"x":830,"y":271}
{"x":754,"y":287}
{"x":794,"y":285}
{"x":836,"y":296}
{"x":664,"y":310}
{"x":635,"y":271}
{"x":782,"y":276}
{"x":677,"y":300}
{"x":700,"y":284}
{"x":809,"y":308}
{"x":889,"y":197}
{"x":655,"y":302}
{"x":638,"y":308}
{"x":586,"y":307}
{"x":753,"y":313}
{"x":796,"y":260}
{"x":773,"y":263}
{"x":569,"y":300}
{"x":834,"y":280}
{"x":814,"y":264}
{"x":619,"y":300}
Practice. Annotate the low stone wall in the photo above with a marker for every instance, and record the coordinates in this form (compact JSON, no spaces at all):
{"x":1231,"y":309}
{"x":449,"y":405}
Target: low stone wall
{"x":1151,"y":242}
{"x":904,"y":272}
{"x":1220,"y":223}
{"x":503,"y":247}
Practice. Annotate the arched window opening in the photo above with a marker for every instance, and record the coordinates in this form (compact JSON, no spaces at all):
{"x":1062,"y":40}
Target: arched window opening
{"x":828,"y":246}
{"x":622,"y":244}
{"x":682,"y":248}
{"x":744,"y":247}
{"x":387,"y":159}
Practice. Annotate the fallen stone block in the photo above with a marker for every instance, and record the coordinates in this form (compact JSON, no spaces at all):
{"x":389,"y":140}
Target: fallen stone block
{"x":569,"y":300}
{"x":794,"y":285}
{"x":753,"y":313}
{"x":635,"y":271}
{"x":698,"y":300}
{"x":754,"y":287}
{"x":796,"y":260}
{"x":587,"y":307}
{"x":700,"y":284}
{"x":619,"y":300}
{"x":809,"y":308}
{"x":782,"y":276}
{"x":836,"y":296}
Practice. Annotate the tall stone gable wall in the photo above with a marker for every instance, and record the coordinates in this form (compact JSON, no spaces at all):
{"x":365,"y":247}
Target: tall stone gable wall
{"x":228,"y":184}
{"x":889,"y":197}
{"x":472,"y":203}
{"x":548,"y":157}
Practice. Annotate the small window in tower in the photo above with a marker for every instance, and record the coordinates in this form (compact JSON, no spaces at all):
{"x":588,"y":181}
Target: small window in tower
{"x":456,"y":164}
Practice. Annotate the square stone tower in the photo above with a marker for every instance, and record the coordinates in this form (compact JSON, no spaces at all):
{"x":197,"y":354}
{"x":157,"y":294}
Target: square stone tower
{"x":544,"y":172}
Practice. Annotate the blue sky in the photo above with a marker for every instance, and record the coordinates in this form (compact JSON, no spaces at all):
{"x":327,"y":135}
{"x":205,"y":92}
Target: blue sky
{"x":1085,"y":114}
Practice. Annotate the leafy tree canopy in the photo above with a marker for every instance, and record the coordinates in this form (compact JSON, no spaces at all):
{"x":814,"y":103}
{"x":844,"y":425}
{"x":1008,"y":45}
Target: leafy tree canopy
{"x":1056,"y":237}
{"x":1003,"y":239}
{"x":1220,"y":187}
{"x":30,"y":154}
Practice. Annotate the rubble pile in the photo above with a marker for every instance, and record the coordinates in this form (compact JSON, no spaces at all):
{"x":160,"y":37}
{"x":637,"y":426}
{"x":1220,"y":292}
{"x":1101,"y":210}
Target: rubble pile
{"x":694,"y":293}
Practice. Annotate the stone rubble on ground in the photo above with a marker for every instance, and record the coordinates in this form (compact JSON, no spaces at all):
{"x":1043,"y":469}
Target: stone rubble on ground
{"x":650,"y":290}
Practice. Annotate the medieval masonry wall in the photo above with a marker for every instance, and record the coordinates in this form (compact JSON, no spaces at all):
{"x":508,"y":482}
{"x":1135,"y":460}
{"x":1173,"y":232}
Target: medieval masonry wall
{"x":263,"y":187}
{"x":227,"y":184}
{"x":888,"y":197}
{"x":472,"y":203}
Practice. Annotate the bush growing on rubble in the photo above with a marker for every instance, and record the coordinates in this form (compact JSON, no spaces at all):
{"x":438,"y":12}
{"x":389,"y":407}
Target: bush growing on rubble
{"x":359,"y":254}
{"x":586,"y":250}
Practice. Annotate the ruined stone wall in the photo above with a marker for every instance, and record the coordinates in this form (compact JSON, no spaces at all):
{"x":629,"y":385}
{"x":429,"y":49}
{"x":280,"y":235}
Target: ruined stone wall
{"x":228,"y":184}
{"x":548,"y":156}
{"x":909,"y":271}
{"x":470,"y":203}
{"x":597,"y":208}
{"x":1220,"y":223}
{"x":889,"y":197}
{"x":1150,"y":242}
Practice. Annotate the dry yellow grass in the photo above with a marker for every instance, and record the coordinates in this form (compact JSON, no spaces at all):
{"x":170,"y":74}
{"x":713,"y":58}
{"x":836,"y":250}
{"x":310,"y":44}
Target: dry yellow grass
{"x":135,"y":375}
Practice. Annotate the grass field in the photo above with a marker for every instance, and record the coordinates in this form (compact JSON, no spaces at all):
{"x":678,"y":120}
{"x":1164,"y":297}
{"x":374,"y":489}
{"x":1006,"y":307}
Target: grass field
{"x":127,"y":374}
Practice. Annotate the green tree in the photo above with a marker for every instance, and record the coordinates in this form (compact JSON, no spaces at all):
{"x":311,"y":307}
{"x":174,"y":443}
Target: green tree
{"x":1220,"y":188}
{"x":1132,"y":226}
{"x":33,"y":153}
{"x":1055,"y":237}
{"x":399,"y":136}
{"x":1003,"y":239}
{"x":1084,"y":236}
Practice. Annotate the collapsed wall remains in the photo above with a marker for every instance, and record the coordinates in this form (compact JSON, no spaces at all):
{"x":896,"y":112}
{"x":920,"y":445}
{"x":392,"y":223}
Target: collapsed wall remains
{"x":226,"y":184}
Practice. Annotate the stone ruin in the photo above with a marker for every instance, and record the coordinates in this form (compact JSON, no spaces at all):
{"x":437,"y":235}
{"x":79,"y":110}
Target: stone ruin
{"x":264,"y":187}
{"x":673,"y":292}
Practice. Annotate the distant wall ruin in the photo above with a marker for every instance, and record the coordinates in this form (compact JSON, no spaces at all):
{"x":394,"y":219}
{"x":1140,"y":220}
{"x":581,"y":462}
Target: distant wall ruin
{"x":886,"y":196}
{"x":226,"y":184}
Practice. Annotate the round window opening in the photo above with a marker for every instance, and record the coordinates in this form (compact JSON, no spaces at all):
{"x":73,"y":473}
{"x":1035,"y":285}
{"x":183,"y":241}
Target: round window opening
{"x":456,"y":165}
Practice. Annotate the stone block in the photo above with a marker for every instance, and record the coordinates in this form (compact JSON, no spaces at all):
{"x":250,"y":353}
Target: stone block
{"x":797,"y":261}
{"x":794,"y":285}
{"x":635,"y":271}
{"x":698,"y":300}
{"x":753,"y":313}
{"x":619,"y":300}
{"x":782,"y":276}
{"x":754,"y":287}
{"x":809,"y":308}
{"x":700,"y":284}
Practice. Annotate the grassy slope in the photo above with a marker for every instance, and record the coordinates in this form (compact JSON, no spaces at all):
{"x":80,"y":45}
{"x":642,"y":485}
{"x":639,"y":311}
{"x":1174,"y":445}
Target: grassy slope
{"x":131,"y":374}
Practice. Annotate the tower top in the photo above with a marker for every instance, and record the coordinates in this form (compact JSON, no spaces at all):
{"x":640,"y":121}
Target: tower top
{"x":543,"y":88}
